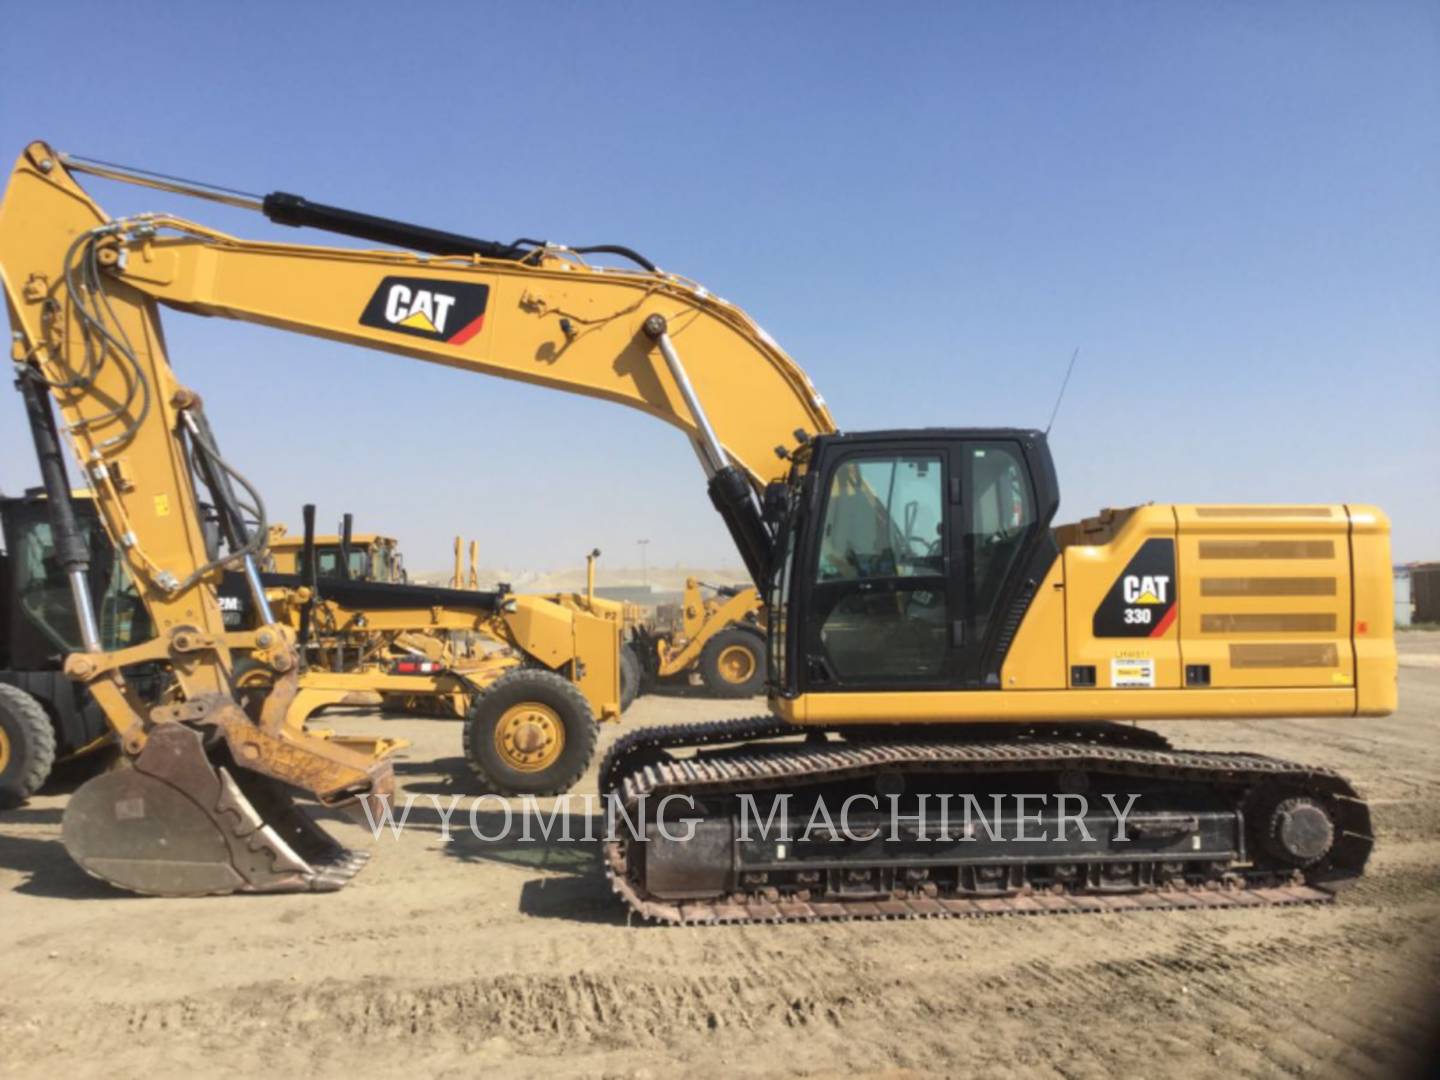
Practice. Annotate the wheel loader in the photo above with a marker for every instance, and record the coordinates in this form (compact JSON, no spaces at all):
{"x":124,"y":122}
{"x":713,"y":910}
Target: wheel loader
{"x":719,"y":637}
{"x":934,"y":638}
{"x":46,"y":718}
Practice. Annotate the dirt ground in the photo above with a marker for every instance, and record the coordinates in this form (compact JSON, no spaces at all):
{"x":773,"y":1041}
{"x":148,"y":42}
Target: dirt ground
{"x":514,"y":959}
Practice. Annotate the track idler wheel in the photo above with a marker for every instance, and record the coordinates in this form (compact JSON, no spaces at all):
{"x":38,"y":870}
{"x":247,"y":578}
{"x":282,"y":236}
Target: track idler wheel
{"x":174,"y":824}
{"x":1301,"y":832}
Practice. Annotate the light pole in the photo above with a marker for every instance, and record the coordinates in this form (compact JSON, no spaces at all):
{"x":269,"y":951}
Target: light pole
{"x":644,"y":569}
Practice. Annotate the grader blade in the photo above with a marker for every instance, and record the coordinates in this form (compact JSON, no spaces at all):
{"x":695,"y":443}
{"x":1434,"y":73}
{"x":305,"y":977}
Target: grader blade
{"x":175,"y":824}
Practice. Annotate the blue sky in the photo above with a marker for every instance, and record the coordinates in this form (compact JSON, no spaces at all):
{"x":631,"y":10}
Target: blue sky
{"x":1233,"y":209}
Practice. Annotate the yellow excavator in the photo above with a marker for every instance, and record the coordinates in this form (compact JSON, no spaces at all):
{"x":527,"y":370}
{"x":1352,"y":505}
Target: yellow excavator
{"x":932,"y":636}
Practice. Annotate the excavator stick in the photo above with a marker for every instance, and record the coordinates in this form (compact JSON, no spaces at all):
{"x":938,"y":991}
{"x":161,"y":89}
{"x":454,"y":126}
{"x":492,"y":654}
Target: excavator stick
{"x":177,"y":824}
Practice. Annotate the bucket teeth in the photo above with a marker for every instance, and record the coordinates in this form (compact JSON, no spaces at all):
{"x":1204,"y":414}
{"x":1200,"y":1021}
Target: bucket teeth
{"x":337,"y":875}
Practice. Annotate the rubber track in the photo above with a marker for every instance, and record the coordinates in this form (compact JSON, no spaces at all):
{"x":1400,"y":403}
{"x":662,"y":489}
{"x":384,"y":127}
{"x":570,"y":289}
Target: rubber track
{"x":774,"y":765}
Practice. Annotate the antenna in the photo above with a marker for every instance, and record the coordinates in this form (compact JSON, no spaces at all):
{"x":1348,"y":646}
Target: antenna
{"x":1063,"y":384}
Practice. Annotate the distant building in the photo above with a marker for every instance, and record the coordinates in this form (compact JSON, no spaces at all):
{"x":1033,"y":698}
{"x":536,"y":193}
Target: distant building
{"x":646,"y":595}
{"x":1425,"y":592}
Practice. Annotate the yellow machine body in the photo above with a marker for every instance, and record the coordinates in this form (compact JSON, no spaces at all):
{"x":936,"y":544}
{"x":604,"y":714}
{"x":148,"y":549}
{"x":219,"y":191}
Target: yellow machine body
{"x":583,"y":646}
{"x":1269,"y":611}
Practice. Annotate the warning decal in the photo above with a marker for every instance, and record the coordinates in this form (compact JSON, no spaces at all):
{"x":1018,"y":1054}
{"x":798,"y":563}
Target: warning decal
{"x":1126,"y":674}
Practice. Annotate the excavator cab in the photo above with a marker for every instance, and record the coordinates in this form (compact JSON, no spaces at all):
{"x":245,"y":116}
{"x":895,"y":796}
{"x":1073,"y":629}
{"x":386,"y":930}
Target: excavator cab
{"x":41,"y":623}
{"x":907,"y":558}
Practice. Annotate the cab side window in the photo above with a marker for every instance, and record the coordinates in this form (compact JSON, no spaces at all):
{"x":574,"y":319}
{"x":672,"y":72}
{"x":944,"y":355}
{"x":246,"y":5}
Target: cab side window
{"x":1001,"y":513}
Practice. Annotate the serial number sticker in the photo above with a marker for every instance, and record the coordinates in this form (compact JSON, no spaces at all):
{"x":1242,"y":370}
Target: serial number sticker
{"x":1129,"y":673}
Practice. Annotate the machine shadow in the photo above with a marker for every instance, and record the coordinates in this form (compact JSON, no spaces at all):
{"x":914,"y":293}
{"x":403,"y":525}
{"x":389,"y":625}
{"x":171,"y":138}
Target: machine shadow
{"x":678,"y":689}
{"x":439,"y":776}
{"x":575,"y":887}
{"x":49,"y":871}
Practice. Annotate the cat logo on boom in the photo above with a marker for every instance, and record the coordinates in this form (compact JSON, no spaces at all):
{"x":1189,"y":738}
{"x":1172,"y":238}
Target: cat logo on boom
{"x":1141,"y":603}
{"x":448,"y":311}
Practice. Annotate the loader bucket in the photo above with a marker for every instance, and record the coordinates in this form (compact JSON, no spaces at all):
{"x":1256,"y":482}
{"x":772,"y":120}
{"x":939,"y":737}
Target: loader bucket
{"x":175,"y":824}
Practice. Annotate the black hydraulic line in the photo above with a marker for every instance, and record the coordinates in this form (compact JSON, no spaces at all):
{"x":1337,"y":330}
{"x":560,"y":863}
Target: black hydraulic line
{"x":731,"y":495}
{"x":621,"y":250}
{"x":232,"y":518}
{"x":70,"y":548}
{"x":286,"y":209}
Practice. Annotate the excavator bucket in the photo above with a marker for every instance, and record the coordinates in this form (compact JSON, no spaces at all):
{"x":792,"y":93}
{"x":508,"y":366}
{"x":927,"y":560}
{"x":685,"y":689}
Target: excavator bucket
{"x":176,"y":824}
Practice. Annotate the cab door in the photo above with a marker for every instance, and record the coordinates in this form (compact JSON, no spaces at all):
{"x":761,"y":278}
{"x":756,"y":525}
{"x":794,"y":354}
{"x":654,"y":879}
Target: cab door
{"x":992,"y":542}
{"x":882,"y":603}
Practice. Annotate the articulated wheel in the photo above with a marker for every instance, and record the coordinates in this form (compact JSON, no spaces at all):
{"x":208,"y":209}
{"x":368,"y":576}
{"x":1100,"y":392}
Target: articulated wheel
{"x":732,"y":664}
{"x":630,"y":676}
{"x":27,"y":746}
{"x":530,"y":732}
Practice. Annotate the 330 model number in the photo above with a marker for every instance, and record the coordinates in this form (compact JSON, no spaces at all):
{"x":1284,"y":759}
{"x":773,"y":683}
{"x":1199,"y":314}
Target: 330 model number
{"x":1137,"y":615}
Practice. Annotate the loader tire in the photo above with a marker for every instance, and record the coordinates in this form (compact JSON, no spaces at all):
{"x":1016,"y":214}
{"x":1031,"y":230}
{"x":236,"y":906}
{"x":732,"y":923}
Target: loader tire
{"x":630,"y":675}
{"x":530,"y":732}
{"x":27,"y":746}
{"x":732,"y":664}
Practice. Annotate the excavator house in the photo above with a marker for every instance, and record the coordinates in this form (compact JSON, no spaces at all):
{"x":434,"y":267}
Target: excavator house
{"x":931,"y":631}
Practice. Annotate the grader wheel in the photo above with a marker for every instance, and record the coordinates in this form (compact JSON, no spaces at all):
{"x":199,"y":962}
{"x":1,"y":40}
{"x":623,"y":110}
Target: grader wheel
{"x":530,"y":732}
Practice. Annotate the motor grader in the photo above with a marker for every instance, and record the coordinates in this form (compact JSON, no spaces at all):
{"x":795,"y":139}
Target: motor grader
{"x":434,"y":658}
{"x":932,"y":634}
